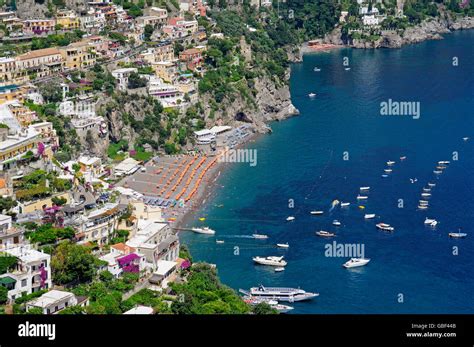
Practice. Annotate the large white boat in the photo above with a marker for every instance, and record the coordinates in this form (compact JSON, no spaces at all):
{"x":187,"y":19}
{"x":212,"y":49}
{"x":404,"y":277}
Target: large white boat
{"x":369,"y":216}
{"x":385,"y":227}
{"x":356,"y":262}
{"x":205,"y":230}
{"x":457,"y":235}
{"x":279,"y":293}
{"x":270,"y":261}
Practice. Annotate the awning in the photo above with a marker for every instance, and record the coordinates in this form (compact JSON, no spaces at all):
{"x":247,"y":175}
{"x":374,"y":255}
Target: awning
{"x":7,"y":280}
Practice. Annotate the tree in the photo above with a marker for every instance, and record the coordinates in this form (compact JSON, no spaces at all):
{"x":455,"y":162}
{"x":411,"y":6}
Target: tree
{"x":7,"y":203}
{"x":135,"y":81}
{"x":264,"y":308}
{"x":148,"y":32}
{"x":71,"y":262}
{"x":3,"y":295}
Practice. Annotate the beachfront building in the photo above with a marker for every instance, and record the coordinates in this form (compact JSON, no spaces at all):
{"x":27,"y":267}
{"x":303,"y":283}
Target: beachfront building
{"x":156,"y":241}
{"x":204,"y":136}
{"x":56,"y":300}
{"x":100,"y":224}
{"x":126,"y":167}
{"x":31,"y":273}
{"x":122,"y":75}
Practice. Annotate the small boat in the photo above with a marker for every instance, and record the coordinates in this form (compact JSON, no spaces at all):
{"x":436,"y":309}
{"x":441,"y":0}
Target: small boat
{"x":431,"y":184}
{"x":364,"y":188}
{"x":362,"y":197}
{"x":437,"y":172}
{"x":388,"y":170}
{"x":323,"y":233}
{"x":403,"y":158}
{"x":430,"y":222}
{"x":283,"y":245}
{"x":336,"y":223}
{"x":390,"y":162}
{"x":219,"y":241}
{"x":345,"y":204}
{"x":384,"y":176}
{"x":457,"y":235}
{"x":423,"y":203}
{"x":290,"y":218}
{"x":413,"y":180}
{"x":384,"y":227}
{"x":202,"y":219}
{"x":427,"y":190}
{"x":422,"y":207}
{"x":444,"y":162}
{"x":205,"y":230}
{"x":317,"y":213}
{"x":347,"y":68}
{"x":260,"y":236}
{"x":465,"y":138}
{"x":356,"y":262}
{"x":272,"y":303}
{"x":270,"y":261}
{"x":312,"y":95}
{"x":369,"y":216}
{"x":426,"y":195}
{"x":441,"y":167}
{"x":279,"y":269}
{"x":316,"y":69}
{"x":361,"y":207}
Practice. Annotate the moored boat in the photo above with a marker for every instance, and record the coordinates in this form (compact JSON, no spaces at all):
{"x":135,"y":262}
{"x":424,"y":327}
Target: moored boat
{"x":279,"y":293}
{"x":270,"y":261}
{"x":356,"y":262}
{"x":317,"y":213}
{"x":336,"y":223}
{"x":385,"y":227}
{"x":323,"y":233}
{"x":369,"y":216}
{"x":204,"y":230}
{"x":260,"y":236}
{"x":290,"y":218}
{"x":283,"y":245}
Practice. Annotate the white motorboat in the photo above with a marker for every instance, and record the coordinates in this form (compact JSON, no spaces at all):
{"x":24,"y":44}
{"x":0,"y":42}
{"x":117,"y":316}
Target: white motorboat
{"x":362,"y":197}
{"x":316,"y":69}
{"x":457,"y":235}
{"x":283,"y":245}
{"x":323,"y":233}
{"x":413,"y":180}
{"x":431,"y":184}
{"x":390,"y":162}
{"x":345,"y":204}
{"x":426,"y":195}
{"x":427,"y":190}
{"x":465,"y":138}
{"x":347,"y":68}
{"x":444,"y":162}
{"x":204,"y":230}
{"x":260,"y":236}
{"x":278,"y":293}
{"x":369,"y":216}
{"x":384,"y":176}
{"x":290,"y":218}
{"x":356,"y":262}
{"x":279,"y":269}
{"x":385,"y":227}
{"x":423,"y":203}
{"x":431,"y":222}
{"x":388,"y":170}
{"x":270,"y":261}
{"x":317,"y":213}
{"x":312,"y":95}
{"x":364,"y":188}
{"x":422,"y":207}
{"x":403,"y":158}
{"x":219,"y":241}
{"x":437,"y":172}
{"x":336,"y":223}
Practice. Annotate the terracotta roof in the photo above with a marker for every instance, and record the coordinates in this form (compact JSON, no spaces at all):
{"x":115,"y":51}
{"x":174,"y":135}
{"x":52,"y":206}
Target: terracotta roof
{"x":3,"y":184}
{"x":38,"y":53}
{"x":123,"y":247}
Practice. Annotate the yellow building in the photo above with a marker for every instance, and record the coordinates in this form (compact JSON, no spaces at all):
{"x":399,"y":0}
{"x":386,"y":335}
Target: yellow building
{"x":10,"y":73}
{"x":78,"y":55}
{"x":166,"y":70}
{"x":68,"y":20}
{"x":41,"y":62}
{"x":14,"y":146}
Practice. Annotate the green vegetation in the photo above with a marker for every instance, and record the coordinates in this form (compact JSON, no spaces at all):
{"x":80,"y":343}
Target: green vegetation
{"x":146,"y":297}
{"x":6,"y":263}
{"x":114,"y":149}
{"x":204,"y":294}
{"x":7,"y":203}
{"x":39,"y":184}
{"x":71,"y":262}
{"x":54,"y":40}
{"x":46,"y":234}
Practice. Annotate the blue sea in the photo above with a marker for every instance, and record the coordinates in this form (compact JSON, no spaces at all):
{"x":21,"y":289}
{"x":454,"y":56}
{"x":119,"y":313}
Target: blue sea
{"x":301,"y":167}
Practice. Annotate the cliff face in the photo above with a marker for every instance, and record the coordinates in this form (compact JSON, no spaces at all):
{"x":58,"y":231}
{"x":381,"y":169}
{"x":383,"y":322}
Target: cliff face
{"x":428,"y":30}
{"x":29,"y":9}
{"x":272,"y":102}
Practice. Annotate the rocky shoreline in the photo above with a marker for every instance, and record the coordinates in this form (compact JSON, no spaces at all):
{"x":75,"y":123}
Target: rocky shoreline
{"x":431,"y":29}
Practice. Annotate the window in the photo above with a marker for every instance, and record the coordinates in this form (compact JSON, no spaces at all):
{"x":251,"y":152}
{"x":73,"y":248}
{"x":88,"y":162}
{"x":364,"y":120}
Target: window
{"x":24,"y":283}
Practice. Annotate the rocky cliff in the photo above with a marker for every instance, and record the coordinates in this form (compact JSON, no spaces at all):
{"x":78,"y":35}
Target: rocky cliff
{"x":430,"y":29}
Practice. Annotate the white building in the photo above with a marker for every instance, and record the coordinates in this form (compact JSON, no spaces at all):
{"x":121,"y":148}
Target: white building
{"x":370,"y":20}
{"x":31,"y":274}
{"x":140,"y":310}
{"x":122,"y":75}
{"x":55,"y":301}
{"x":9,"y":235}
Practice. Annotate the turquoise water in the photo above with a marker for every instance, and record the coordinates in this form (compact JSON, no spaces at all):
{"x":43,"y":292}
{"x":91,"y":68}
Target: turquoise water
{"x":303,"y":160}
